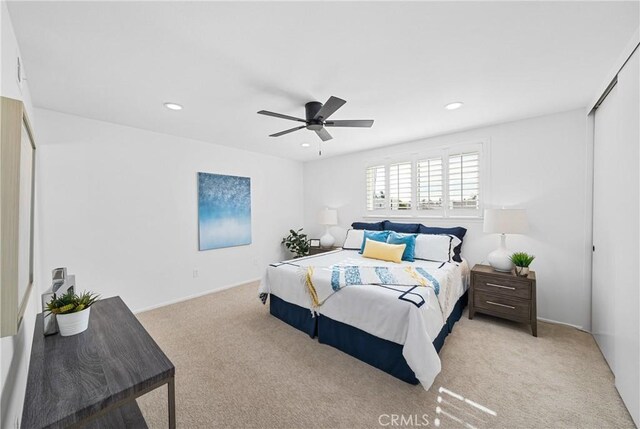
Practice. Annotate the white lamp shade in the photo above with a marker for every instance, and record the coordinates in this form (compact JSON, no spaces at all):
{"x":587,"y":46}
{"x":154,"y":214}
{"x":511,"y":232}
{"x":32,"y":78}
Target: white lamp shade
{"x":328,"y":217}
{"x":505,"y":221}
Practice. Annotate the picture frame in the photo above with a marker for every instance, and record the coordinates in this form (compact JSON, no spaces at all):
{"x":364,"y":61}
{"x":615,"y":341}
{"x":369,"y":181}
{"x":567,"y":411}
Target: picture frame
{"x":314,"y":243}
{"x":17,"y":150}
{"x":224,"y":211}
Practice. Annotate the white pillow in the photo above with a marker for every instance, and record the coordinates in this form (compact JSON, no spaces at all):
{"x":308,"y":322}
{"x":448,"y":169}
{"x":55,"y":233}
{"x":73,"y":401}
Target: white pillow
{"x":354,"y":239}
{"x":436,"y":247}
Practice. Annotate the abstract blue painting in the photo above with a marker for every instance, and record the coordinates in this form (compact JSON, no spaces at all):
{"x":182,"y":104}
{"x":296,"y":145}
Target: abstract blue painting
{"x":224,"y":211}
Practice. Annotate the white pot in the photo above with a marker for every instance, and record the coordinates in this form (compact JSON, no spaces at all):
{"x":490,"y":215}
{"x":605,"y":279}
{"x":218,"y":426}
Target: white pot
{"x":522,"y":271}
{"x":73,"y":323}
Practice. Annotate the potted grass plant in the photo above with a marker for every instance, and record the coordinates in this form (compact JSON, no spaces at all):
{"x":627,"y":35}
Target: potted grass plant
{"x":522,"y":260}
{"x":72,"y":311}
{"x":297,"y":243}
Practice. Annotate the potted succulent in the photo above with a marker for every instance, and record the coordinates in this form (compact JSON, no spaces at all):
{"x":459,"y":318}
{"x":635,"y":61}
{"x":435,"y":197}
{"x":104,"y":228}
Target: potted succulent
{"x":522,"y":260}
{"x":297,"y":243}
{"x":72,"y":311}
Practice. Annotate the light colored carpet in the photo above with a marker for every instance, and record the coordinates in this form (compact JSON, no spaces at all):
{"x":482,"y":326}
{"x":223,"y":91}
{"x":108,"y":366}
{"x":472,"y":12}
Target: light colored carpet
{"x":239,"y":367}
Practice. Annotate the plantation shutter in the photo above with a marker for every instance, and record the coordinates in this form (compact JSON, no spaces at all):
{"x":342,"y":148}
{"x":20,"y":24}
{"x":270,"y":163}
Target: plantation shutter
{"x":464,"y":181}
{"x":400,"y":186}
{"x":429,"y":187}
{"x":376,"y":184}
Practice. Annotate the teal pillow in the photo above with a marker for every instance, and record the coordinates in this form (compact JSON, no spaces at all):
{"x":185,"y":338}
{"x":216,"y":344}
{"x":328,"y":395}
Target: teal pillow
{"x":409,"y":240}
{"x":380,"y":236}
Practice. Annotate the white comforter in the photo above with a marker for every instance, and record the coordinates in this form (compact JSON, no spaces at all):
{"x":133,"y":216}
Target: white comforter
{"x":377,"y":310}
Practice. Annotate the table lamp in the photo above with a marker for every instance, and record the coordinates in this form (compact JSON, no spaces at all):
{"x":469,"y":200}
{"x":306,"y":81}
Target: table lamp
{"x":504,"y":221}
{"x":327,"y":217}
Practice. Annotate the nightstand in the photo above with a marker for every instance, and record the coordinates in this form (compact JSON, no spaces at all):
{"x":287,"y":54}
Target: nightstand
{"x":503,"y":295}
{"x":318,"y":250}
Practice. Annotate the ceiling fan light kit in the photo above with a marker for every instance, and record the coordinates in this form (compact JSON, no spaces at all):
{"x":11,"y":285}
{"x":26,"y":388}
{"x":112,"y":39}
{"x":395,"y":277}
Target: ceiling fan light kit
{"x":316,"y":115}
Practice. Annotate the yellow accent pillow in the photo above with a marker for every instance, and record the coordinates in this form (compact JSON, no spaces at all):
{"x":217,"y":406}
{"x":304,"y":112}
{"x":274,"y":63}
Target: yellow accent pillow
{"x":386,"y":252}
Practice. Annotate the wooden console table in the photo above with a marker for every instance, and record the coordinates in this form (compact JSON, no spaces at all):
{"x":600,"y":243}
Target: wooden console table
{"x":91,"y":380}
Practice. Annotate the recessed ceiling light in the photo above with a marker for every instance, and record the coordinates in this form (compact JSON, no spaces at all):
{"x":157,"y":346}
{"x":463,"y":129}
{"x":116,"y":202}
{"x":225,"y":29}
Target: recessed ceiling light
{"x":173,"y":106}
{"x":305,"y":145}
{"x":455,"y":105}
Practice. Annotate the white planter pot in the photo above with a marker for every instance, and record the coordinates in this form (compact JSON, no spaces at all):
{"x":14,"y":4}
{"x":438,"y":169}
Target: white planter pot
{"x":73,"y":323}
{"x":522,"y":271}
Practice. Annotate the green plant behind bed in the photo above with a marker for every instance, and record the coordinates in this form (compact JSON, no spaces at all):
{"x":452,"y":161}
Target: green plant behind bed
{"x":522,"y":259}
{"x":71,"y":303}
{"x":297,"y":243}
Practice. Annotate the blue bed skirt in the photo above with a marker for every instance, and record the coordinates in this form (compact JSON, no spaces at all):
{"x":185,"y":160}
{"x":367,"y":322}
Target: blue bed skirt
{"x":296,"y":316}
{"x":455,"y":315}
{"x":382,"y":354}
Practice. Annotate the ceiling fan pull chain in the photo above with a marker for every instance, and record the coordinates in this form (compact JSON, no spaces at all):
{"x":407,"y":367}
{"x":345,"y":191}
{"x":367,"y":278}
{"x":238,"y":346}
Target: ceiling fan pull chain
{"x":320,"y":149}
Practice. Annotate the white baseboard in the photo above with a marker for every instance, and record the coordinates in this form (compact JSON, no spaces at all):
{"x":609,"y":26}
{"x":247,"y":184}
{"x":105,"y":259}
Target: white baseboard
{"x":197,"y":295}
{"x":561,"y":323}
{"x":220,"y":289}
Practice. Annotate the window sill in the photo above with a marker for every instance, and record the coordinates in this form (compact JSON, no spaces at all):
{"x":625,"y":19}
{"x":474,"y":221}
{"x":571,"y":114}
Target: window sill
{"x":411,"y":217}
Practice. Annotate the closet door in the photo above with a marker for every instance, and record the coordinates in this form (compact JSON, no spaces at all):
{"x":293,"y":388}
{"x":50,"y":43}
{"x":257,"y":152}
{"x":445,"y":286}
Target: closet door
{"x":627,"y":295}
{"x":606,"y":195}
{"x":616,"y":233}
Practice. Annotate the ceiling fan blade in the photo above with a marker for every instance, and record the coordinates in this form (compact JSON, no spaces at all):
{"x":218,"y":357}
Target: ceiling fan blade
{"x":323,"y":134}
{"x":329,"y":108}
{"x":281,"y":116}
{"x":365,"y":123}
{"x":281,"y":133}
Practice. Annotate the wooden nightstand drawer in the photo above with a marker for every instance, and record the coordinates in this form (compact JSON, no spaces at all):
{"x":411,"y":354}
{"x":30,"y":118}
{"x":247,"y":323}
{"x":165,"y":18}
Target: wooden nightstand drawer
{"x":511,"y":308}
{"x":502,"y":286}
{"x":503,"y":295}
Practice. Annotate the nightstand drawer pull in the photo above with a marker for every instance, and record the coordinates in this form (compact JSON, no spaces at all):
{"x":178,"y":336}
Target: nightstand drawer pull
{"x":500,"y":286}
{"x":501,"y":305}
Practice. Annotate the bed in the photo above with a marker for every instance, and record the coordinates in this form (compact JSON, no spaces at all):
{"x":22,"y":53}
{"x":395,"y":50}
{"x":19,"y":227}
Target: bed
{"x":398,"y":329}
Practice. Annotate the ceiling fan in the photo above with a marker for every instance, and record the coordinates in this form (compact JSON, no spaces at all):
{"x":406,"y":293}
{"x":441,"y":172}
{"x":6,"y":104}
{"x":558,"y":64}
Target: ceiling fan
{"x":316,"y":118}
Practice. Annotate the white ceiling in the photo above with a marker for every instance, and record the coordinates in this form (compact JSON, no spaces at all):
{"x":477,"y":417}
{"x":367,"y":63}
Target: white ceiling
{"x":397,"y":63}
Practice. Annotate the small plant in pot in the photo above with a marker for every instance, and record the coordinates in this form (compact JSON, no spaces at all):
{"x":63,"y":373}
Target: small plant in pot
{"x":522,"y":260}
{"x":297,"y":243}
{"x":72,"y":311}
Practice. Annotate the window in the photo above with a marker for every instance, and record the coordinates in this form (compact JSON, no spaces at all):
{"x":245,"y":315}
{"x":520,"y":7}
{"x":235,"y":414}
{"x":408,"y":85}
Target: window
{"x":464,"y":180}
{"x":400,"y":186}
{"x":442,"y":182}
{"x":376,"y":186}
{"x":429,"y":186}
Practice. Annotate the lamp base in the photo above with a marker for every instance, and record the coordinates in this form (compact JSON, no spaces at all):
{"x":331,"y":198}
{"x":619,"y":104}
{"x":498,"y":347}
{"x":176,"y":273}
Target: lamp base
{"x":327,"y":240}
{"x":500,"y":259}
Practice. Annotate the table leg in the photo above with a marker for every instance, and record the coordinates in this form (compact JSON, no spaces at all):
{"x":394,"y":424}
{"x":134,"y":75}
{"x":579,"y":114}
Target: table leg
{"x":171,"y":394}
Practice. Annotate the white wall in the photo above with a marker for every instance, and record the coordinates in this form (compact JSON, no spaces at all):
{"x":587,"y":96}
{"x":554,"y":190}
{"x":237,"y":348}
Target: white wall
{"x":14,"y":351}
{"x":539,"y":164}
{"x":118,"y":207}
